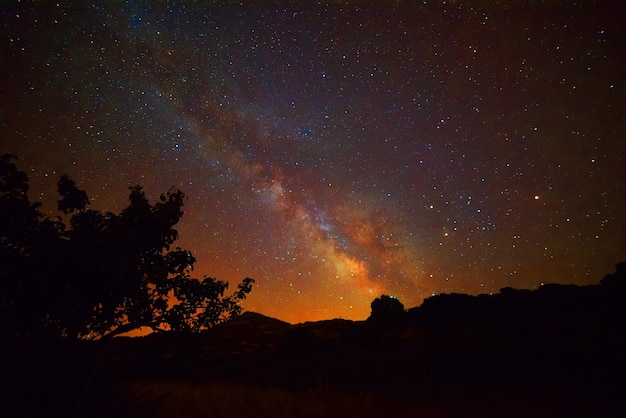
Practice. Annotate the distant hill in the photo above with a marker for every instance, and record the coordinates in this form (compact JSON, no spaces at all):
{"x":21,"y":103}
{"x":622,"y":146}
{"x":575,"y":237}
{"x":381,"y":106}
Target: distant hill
{"x":258,"y":320}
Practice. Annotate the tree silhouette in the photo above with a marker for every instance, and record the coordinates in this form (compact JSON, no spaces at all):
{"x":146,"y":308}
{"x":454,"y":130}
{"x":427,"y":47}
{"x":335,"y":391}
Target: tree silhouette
{"x":72,"y":198}
{"x":98,"y":274}
{"x":386,"y":308}
{"x":616,"y":280}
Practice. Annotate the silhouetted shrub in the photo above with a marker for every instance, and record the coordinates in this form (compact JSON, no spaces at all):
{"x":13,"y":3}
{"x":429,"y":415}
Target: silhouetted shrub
{"x":386,"y":308}
{"x":616,"y":280}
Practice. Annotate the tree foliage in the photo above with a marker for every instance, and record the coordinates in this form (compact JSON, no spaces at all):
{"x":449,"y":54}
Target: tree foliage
{"x":386,"y":308}
{"x":90,"y":274}
{"x":617,"y":280}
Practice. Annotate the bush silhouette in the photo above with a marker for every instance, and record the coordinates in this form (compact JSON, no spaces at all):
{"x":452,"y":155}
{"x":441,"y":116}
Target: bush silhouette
{"x":386,"y":308}
{"x":616,"y":280}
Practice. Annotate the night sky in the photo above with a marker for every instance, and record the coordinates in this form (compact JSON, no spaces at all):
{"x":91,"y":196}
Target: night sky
{"x":337,"y":151}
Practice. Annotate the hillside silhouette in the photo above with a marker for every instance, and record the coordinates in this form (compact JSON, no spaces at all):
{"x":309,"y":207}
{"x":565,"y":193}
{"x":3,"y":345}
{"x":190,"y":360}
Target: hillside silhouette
{"x":554,"y":351}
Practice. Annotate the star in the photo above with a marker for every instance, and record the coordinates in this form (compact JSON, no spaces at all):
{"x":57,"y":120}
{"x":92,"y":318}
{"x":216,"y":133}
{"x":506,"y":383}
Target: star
{"x":336,"y":152}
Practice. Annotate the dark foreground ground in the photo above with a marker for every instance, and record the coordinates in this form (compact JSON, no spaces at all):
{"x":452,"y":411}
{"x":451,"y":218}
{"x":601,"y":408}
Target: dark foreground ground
{"x":555,"y":352}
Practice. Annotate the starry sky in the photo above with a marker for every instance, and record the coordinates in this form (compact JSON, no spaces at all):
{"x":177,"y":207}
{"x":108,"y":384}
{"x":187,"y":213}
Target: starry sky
{"x":337,"y":151}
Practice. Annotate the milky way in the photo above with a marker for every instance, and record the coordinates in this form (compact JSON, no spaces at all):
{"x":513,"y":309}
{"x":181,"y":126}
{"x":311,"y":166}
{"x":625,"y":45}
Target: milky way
{"x":337,"y":151}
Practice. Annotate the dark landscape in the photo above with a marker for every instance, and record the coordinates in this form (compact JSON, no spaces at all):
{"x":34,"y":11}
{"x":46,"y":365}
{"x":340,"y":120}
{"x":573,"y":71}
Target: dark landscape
{"x":445,"y":179}
{"x":557,"y":351}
